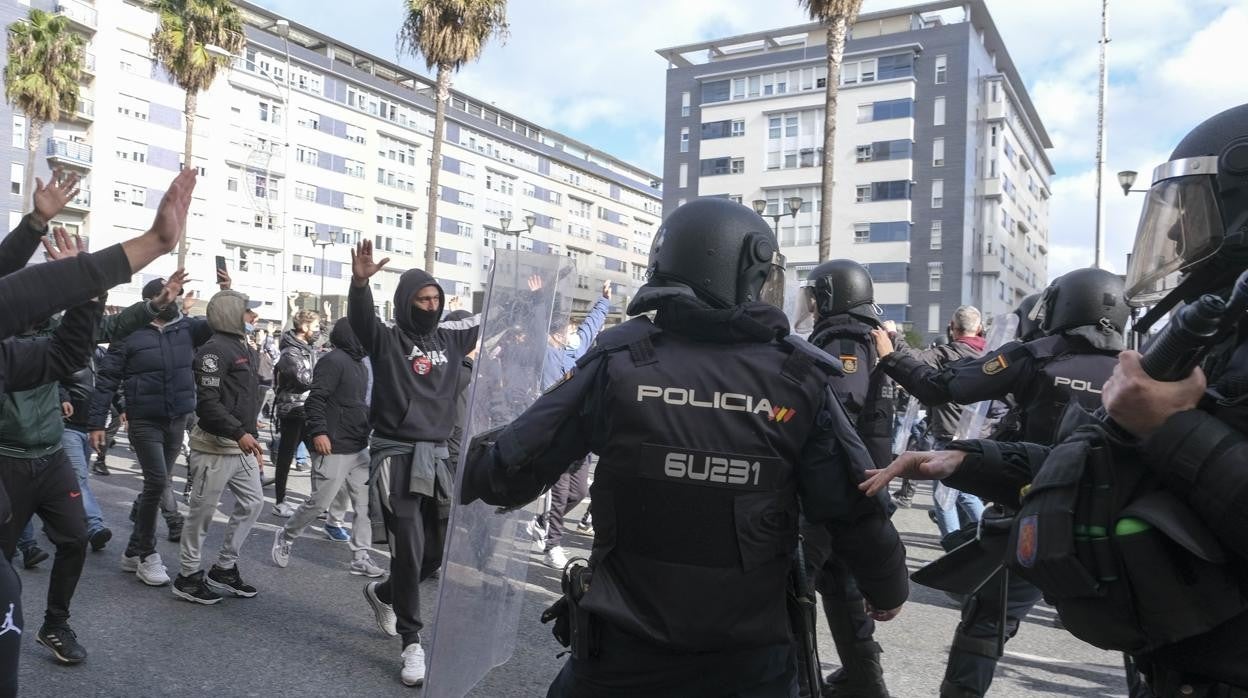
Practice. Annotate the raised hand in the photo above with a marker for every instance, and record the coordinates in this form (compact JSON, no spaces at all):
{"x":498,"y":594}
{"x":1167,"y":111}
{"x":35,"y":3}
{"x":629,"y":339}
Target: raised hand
{"x":173,"y":287}
{"x":188,"y":302}
{"x":50,"y":199}
{"x":224,"y":282}
{"x":170,"y":219}
{"x":606,"y":290}
{"x":536,"y":283}
{"x":362,"y":265}
{"x":66,"y":246}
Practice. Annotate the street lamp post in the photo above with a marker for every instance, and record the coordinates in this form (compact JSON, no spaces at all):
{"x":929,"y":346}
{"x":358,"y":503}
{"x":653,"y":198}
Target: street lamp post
{"x":1126,"y":178}
{"x":794,"y":203}
{"x":529,"y":221}
{"x":324,"y":240}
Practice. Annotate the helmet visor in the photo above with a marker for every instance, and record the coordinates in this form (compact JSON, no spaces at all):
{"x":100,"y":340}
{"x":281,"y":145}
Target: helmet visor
{"x":773,"y":288}
{"x":1179,"y":227}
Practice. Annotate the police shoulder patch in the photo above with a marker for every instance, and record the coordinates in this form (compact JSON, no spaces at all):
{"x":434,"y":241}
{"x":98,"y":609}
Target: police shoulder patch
{"x":996,"y":365}
{"x":210,"y":363}
{"x":849,"y":363}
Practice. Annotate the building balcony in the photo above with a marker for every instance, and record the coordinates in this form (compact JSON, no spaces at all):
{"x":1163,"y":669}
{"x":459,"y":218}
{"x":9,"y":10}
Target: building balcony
{"x":66,"y":152}
{"x":80,"y":16}
{"x":992,"y":188}
{"x":88,"y":65}
{"x":85,"y":112}
{"x":81,"y":202}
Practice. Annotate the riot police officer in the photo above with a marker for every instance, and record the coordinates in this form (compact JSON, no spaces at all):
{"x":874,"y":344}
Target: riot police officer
{"x":1192,"y":436}
{"x":714,"y":420}
{"x":842,"y":297}
{"x":1083,"y":315}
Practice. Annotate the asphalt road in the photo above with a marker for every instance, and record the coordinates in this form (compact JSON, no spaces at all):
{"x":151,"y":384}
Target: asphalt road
{"x":310,"y":632}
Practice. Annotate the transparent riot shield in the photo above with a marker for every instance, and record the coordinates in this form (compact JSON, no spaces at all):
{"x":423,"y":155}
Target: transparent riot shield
{"x":796,"y":307}
{"x":487,"y":550}
{"x":974,"y":416}
{"x":901,"y":439}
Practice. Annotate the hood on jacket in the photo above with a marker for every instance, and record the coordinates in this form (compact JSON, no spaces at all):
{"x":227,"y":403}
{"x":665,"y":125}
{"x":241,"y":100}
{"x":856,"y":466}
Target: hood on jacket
{"x":343,"y":337}
{"x":225,"y":313}
{"x":685,"y":313}
{"x":290,"y":339}
{"x":410,"y":283}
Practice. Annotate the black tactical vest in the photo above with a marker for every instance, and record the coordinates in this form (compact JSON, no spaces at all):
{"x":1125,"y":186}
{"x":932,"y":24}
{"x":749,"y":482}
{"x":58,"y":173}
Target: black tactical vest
{"x":866,"y":393}
{"x":1065,"y":371}
{"x":695,"y":504}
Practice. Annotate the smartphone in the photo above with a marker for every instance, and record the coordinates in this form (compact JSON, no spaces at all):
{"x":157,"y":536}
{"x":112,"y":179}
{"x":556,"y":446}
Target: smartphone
{"x":221,"y":264}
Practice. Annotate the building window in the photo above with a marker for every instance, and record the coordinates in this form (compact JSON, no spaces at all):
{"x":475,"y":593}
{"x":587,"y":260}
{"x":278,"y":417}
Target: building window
{"x":899,"y":65}
{"x":937,"y":235}
{"x":17,"y":176}
{"x":938,"y":193}
{"x":738,"y":127}
{"x":887,"y":191}
{"x":887,"y":109}
{"x":889,"y":231}
{"x":935,"y":270}
{"x":938,"y":118}
{"x":938,"y":152}
{"x":684,"y":104}
{"x":863,"y":193}
{"x":942,"y":69}
{"x":738,"y":165}
{"x":862,"y":232}
{"x":684,"y":175}
{"x":863,"y":153}
{"x":933,"y":317}
{"x":684,"y":139}
{"x":19,"y":131}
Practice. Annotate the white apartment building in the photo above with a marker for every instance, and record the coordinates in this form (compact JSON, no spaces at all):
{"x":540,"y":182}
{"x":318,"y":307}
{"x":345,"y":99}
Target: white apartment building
{"x":942,"y":182}
{"x":308,"y":146}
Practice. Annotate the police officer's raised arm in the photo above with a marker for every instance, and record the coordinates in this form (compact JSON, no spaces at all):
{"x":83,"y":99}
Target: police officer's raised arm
{"x":527,"y":456}
{"x":990,"y":377}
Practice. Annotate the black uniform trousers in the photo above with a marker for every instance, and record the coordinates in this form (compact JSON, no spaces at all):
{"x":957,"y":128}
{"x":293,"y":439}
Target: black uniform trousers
{"x":843,"y":604}
{"x":48,"y":487}
{"x":417,"y":530}
{"x":973,"y":656}
{"x":627,"y":666}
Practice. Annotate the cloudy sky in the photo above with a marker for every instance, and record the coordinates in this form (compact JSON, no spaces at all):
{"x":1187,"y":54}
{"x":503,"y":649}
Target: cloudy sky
{"x":588,"y":68}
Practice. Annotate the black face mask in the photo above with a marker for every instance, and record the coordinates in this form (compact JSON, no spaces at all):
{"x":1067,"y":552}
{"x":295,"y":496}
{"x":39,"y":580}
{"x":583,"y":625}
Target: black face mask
{"x":313,"y":336}
{"x":425,"y":321}
{"x":169,"y":313}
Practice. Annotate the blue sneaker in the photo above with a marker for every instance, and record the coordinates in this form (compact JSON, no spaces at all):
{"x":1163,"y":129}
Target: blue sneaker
{"x":337,"y":533}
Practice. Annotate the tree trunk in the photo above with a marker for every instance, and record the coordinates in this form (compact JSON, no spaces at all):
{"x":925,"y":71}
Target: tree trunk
{"x":837,"y":29}
{"x":192,"y":101}
{"x":435,"y":166}
{"x":34,"y":133}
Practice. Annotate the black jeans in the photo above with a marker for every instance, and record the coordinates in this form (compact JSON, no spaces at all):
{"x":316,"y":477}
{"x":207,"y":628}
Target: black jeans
{"x":291,"y":435}
{"x":568,"y":491}
{"x":10,"y":629}
{"x":48,"y":486}
{"x":156,"y":444}
{"x":416,"y":536}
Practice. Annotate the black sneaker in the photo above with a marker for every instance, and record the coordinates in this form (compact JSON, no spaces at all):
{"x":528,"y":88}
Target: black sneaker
{"x":230,"y":582}
{"x":100,"y":468}
{"x":175,"y":529}
{"x":194,"y":589}
{"x":32,"y":556}
{"x":99,"y":539}
{"x":63,"y":643}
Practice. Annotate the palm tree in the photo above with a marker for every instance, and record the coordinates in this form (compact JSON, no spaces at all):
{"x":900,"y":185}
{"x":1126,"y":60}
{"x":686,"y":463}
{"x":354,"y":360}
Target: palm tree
{"x":835,"y":16}
{"x":186,"y":27}
{"x":448,"y":33}
{"x":41,"y":78}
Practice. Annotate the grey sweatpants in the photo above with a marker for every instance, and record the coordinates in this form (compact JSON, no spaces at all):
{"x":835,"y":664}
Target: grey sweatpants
{"x":212,"y":474}
{"x":329,"y":475}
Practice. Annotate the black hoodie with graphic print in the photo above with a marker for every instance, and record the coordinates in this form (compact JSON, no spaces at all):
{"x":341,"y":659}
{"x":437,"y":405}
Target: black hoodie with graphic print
{"x":416,"y":363}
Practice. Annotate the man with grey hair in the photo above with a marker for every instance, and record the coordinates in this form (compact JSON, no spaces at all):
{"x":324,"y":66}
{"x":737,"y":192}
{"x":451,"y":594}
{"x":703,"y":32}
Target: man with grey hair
{"x":966,"y":341}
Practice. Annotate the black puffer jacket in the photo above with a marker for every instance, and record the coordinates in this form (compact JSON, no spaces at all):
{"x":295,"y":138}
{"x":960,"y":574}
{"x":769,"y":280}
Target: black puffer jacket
{"x":293,"y":375}
{"x":336,"y":407}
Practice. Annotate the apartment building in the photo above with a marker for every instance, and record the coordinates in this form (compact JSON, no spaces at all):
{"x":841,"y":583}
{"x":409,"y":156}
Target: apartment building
{"x":942,"y":181}
{"x":307,"y":146}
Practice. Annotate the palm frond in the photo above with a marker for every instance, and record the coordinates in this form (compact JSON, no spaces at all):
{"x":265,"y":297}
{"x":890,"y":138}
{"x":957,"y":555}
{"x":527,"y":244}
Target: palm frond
{"x":45,"y":59}
{"x":825,"y":11}
{"x":185,"y":28}
{"x":451,"y":32}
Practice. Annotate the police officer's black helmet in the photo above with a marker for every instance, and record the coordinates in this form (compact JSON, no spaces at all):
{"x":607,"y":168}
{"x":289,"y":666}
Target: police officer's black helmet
{"x":723,"y":251}
{"x":841,"y":285}
{"x":1194,"y":224}
{"x":1028,"y":328}
{"x":1083,"y":297}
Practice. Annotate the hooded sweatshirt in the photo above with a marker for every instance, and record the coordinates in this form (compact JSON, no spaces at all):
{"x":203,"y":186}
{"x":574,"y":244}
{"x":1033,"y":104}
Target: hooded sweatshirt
{"x":293,"y":374}
{"x":228,"y":393}
{"x":416,"y":363}
{"x":336,"y":406}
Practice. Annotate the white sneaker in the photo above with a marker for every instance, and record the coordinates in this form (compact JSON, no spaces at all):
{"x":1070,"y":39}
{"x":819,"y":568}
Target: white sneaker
{"x":285,"y":510}
{"x":556,"y":558}
{"x":151,"y":571}
{"x":129,"y":563}
{"x":413,"y":673}
{"x":382,"y":612}
{"x":281,"y":548}
{"x":364,"y":566}
{"x":536,"y":530}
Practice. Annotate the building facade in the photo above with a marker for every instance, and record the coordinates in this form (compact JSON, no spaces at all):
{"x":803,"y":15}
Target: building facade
{"x":307,"y":146}
{"x":942,"y":181}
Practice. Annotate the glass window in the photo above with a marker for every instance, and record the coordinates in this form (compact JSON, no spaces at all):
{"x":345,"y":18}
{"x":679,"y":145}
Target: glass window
{"x":862,"y":232}
{"x":716,"y":91}
{"x":738,"y":165}
{"x":938,"y":193}
{"x":738,"y":127}
{"x":935,"y":270}
{"x":938,"y":152}
{"x":684,"y":105}
{"x":863,"y":193}
{"x":890,"y":191}
{"x":892,"y":109}
{"x":773,"y":127}
{"x":888,"y":272}
{"x":942,"y":69}
{"x":863,"y":153}
{"x":684,"y":174}
{"x":897,"y":66}
{"x":933,"y":317}
{"x":937,"y":235}
{"x":938,"y":118}
{"x":684,"y":140}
